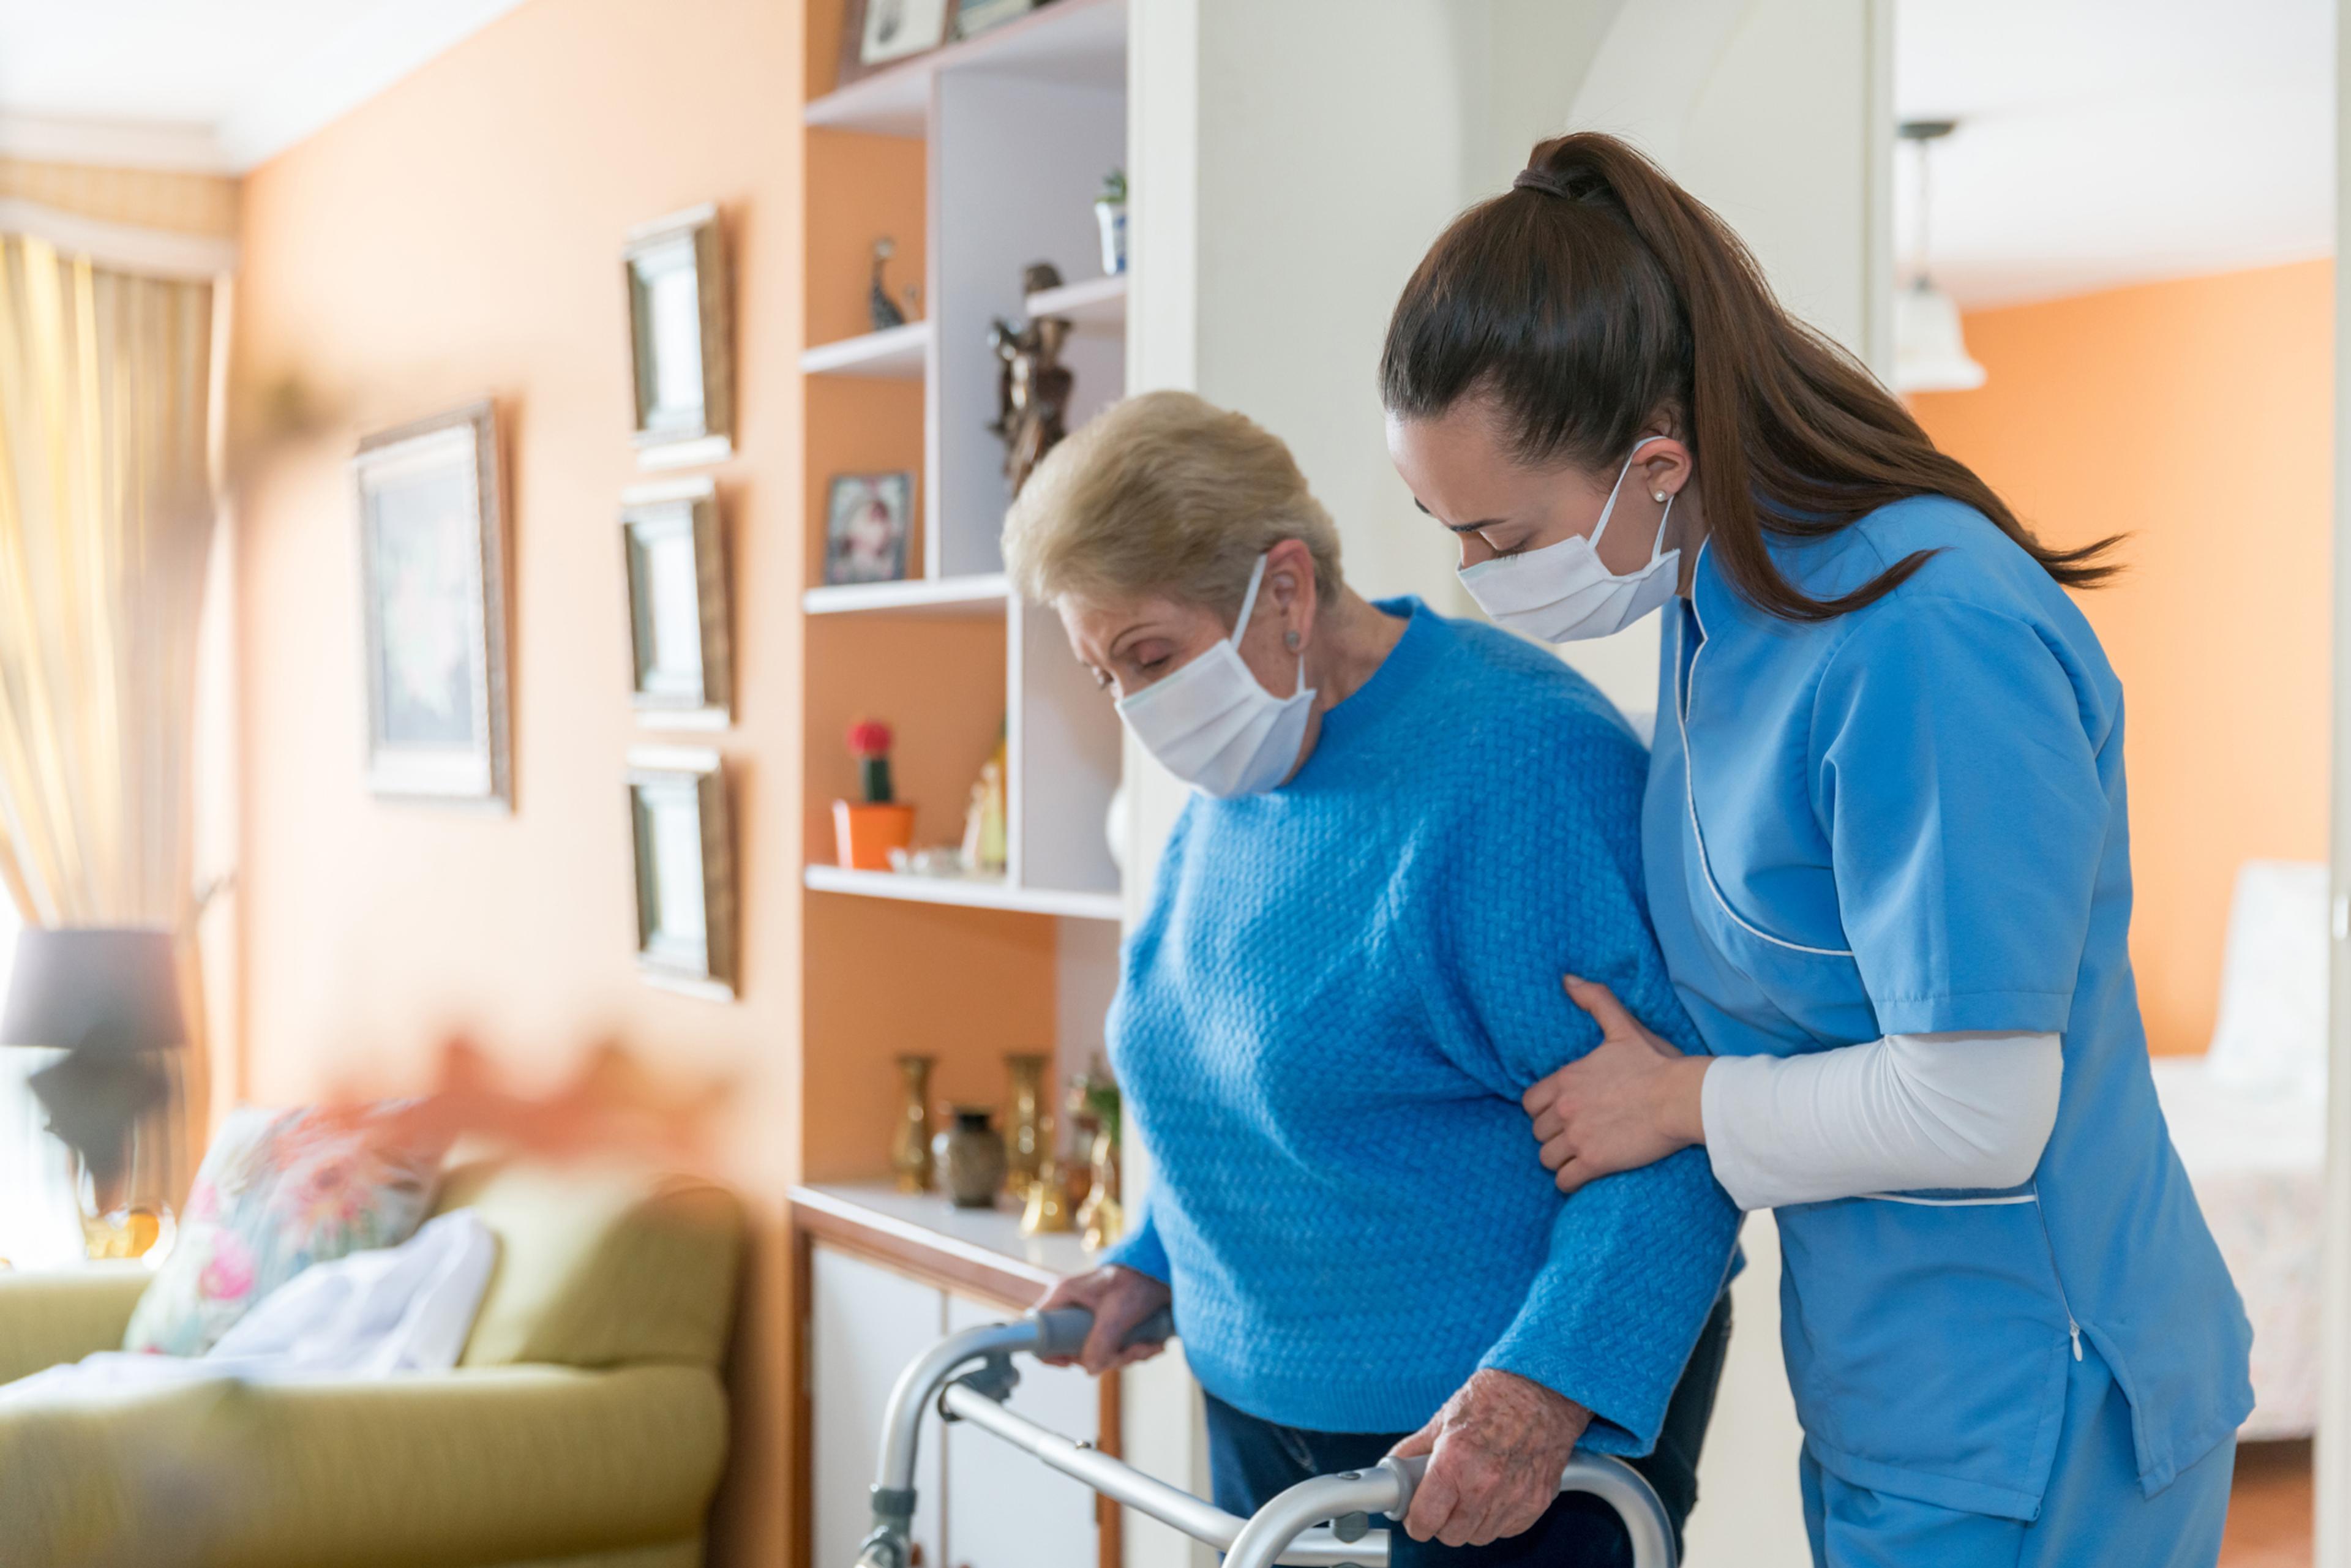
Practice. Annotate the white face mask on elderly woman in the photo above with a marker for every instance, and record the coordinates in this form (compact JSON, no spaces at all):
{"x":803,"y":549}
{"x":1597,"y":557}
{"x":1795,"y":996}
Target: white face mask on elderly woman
{"x":1212,"y":725}
{"x":1561,"y":592}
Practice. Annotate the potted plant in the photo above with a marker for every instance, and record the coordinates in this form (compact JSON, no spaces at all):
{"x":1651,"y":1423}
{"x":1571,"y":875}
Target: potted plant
{"x":1110,"y":210}
{"x":865,"y":832}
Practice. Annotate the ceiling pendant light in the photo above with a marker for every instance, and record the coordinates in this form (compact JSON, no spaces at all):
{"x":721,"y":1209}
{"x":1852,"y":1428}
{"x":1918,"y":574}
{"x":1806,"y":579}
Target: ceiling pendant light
{"x":1929,"y":353}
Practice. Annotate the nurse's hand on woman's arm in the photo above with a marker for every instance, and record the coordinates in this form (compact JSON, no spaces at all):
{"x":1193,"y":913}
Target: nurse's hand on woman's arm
{"x":1119,"y":1297}
{"x":1629,"y":1102}
{"x":1495,"y":1451}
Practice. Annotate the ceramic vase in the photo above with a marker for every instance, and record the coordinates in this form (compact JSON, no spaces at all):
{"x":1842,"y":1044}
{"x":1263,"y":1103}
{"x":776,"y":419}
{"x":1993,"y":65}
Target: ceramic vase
{"x":1111,"y":216}
{"x":971,"y":1156}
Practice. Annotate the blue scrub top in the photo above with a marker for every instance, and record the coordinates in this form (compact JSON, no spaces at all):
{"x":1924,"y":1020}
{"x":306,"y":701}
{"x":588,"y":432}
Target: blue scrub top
{"x":1910,"y":820}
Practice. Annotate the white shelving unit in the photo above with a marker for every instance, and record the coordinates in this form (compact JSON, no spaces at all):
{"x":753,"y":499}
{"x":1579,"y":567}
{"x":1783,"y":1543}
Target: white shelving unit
{"x":1021,"y":125}
{"x":972,"y":893}
{"x":897,"y":354}
{"x":983,"y":594}
{"x":1099,"y":304}
{"x":1085,"y":39}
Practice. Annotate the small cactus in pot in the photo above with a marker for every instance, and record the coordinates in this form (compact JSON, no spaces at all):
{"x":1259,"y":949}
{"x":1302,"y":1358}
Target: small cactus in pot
{"x":869,"y":743}
{"x":867,"y":829}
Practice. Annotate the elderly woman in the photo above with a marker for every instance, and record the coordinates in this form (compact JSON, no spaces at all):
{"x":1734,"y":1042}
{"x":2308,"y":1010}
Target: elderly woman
{"x":1350,"y":974}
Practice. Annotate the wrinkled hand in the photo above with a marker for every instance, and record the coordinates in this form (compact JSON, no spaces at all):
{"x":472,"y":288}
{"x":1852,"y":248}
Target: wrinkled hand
{"x":1496,"y":1452}
{"x":1631,"y":1100}
{"x":1119,"y":1298}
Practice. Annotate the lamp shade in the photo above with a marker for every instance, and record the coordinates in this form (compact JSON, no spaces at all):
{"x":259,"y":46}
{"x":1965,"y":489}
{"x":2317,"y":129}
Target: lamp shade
{"x":110,"y":989}
{"x":1929,"y":353}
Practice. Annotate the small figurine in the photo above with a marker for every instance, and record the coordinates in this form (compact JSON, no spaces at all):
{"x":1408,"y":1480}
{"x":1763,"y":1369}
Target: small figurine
{"x":1033,"y":389}
{"x":883,"y":309}
{"x":984,"y":845}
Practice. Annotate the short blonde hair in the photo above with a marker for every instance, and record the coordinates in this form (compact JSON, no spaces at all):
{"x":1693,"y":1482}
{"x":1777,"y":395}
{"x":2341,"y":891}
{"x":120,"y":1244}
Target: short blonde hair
{"x":1163,"y":493}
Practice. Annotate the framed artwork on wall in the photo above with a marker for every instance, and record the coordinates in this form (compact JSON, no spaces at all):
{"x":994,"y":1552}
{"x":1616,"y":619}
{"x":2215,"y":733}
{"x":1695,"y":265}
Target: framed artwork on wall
{"x":680,"y":340}
{"x":675,"y":560}
{"x":974,"y":17}
{"x":867,"y":518}
{"x":878,"y":33}
{"x":684,"y":857}
{"x":434,"y":608}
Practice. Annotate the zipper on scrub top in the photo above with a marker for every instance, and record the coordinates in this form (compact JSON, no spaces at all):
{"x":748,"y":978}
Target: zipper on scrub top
{"x":2072,"y":1328}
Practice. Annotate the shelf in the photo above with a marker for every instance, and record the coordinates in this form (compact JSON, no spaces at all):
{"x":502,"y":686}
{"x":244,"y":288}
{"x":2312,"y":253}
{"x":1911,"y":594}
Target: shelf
{"x":1081,"y":42}
{"x":980,"y":595}
{"x":894,"y":355}
{"x":979,"y":1248}
{"x":1096,"y":302}
{"x":971,"y":893}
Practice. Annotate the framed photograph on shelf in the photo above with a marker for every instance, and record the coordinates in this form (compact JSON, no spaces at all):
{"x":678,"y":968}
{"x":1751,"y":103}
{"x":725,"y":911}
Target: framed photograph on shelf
{"x":680,"y":340}
{"x":878,"y":33}
{"x":974,"y":17}
{"x":674,"y":556}
{"x":434,"y":608}
{"x":867,"y":519}
{"x":685,"y":855}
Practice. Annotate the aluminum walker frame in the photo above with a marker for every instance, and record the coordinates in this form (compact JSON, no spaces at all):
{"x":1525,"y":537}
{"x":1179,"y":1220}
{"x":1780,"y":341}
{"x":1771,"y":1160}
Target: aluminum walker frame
{"x":1318,"y":1523}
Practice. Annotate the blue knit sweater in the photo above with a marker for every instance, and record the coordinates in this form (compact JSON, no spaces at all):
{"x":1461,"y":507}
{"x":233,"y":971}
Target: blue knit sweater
{"x":1324,"y":1026}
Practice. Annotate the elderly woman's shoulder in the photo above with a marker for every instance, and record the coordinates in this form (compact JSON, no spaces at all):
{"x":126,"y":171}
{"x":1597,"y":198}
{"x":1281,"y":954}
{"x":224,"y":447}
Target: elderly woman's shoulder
{"x":1524,"y":716}
{"x":1520,"y":683}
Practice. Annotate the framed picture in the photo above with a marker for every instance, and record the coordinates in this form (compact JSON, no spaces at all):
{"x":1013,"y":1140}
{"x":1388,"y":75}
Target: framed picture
{"x":877,"y":33}
{"x":974,"y":17}
{"x":866,"y":520}
{"x":675,"y":563}
{"x":685,"y":859}
{"x":433,"y":599}
{"x":680,"y":340}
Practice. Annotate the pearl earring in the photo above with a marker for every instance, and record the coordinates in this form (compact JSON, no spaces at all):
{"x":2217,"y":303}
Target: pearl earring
{"x":1659,"y":495}
{"x":1289,"y":641}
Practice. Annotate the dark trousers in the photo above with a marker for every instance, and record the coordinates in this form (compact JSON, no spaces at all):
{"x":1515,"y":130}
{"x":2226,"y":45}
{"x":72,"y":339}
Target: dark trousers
{"x":1251,"y":1462}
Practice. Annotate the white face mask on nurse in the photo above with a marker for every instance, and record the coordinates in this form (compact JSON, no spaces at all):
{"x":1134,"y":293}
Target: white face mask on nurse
{"x":1561,"y":553}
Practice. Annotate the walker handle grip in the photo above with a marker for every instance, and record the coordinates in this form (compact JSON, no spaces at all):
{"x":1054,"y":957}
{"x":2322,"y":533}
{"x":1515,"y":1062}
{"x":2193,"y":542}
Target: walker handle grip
{"x":1062,"y":1331}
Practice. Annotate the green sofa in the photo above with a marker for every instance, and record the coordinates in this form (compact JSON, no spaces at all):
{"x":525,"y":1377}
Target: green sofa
{"x":585,"y":1425}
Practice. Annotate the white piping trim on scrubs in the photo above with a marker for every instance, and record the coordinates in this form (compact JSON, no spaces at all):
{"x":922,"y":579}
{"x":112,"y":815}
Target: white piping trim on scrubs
{"x":1685,"y":682}
{"x":1951,"y":1202}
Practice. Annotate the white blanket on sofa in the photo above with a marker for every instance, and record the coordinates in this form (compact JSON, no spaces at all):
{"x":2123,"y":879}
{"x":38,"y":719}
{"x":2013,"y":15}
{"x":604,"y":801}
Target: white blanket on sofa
{"x":371,"y":1314}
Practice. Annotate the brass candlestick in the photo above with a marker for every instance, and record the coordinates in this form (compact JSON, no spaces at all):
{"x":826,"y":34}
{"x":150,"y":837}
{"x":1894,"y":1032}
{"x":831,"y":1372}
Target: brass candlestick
{"x":1102,"y":1217}
{"x":1048,"y":1213}
{"x":910,"y":1143}
{"x":1028,"y":1134}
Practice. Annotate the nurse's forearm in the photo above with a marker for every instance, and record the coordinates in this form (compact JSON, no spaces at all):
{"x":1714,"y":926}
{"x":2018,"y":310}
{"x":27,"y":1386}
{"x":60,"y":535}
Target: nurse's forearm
{"x":1905,"y":1113}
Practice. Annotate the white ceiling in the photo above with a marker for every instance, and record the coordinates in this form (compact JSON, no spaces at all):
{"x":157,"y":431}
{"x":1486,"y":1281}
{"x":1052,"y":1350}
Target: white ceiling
{"x":2106,"y":142}
{"x":217,"y":84}
{"x":2101,"y":142}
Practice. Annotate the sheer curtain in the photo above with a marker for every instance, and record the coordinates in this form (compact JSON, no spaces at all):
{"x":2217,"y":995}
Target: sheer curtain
{"x":105,"y":519}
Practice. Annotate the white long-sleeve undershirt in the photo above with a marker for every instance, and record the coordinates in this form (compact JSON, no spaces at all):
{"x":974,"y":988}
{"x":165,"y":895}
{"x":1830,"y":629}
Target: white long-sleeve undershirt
{"x":1908,"y":1112}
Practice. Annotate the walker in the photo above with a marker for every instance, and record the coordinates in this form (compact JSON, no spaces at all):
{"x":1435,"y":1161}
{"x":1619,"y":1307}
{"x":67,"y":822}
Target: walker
{"x":1318,"y":1523}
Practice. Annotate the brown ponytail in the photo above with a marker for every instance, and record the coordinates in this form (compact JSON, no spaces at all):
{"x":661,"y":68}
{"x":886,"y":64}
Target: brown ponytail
{"x":1597,"y":293}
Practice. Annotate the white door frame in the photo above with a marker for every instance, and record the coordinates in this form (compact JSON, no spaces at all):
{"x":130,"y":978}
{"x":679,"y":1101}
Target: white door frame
{"x":2331,"y":1462}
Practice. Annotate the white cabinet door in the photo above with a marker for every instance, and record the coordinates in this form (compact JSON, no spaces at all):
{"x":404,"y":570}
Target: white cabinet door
{"x":865,"y":1324}
{"x":1004,"y":1509}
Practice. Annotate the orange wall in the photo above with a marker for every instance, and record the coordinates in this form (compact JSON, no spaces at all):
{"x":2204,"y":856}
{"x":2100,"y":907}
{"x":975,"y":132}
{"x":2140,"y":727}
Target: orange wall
{"x":462,"y":234}
{"x":2197,"y":417}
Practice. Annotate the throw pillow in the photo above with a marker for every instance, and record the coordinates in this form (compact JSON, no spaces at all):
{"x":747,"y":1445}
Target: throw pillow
{"x":278,"y":1191}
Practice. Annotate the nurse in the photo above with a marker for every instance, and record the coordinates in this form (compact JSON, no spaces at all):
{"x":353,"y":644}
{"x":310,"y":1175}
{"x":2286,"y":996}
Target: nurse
{"x":1888,"y":861}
